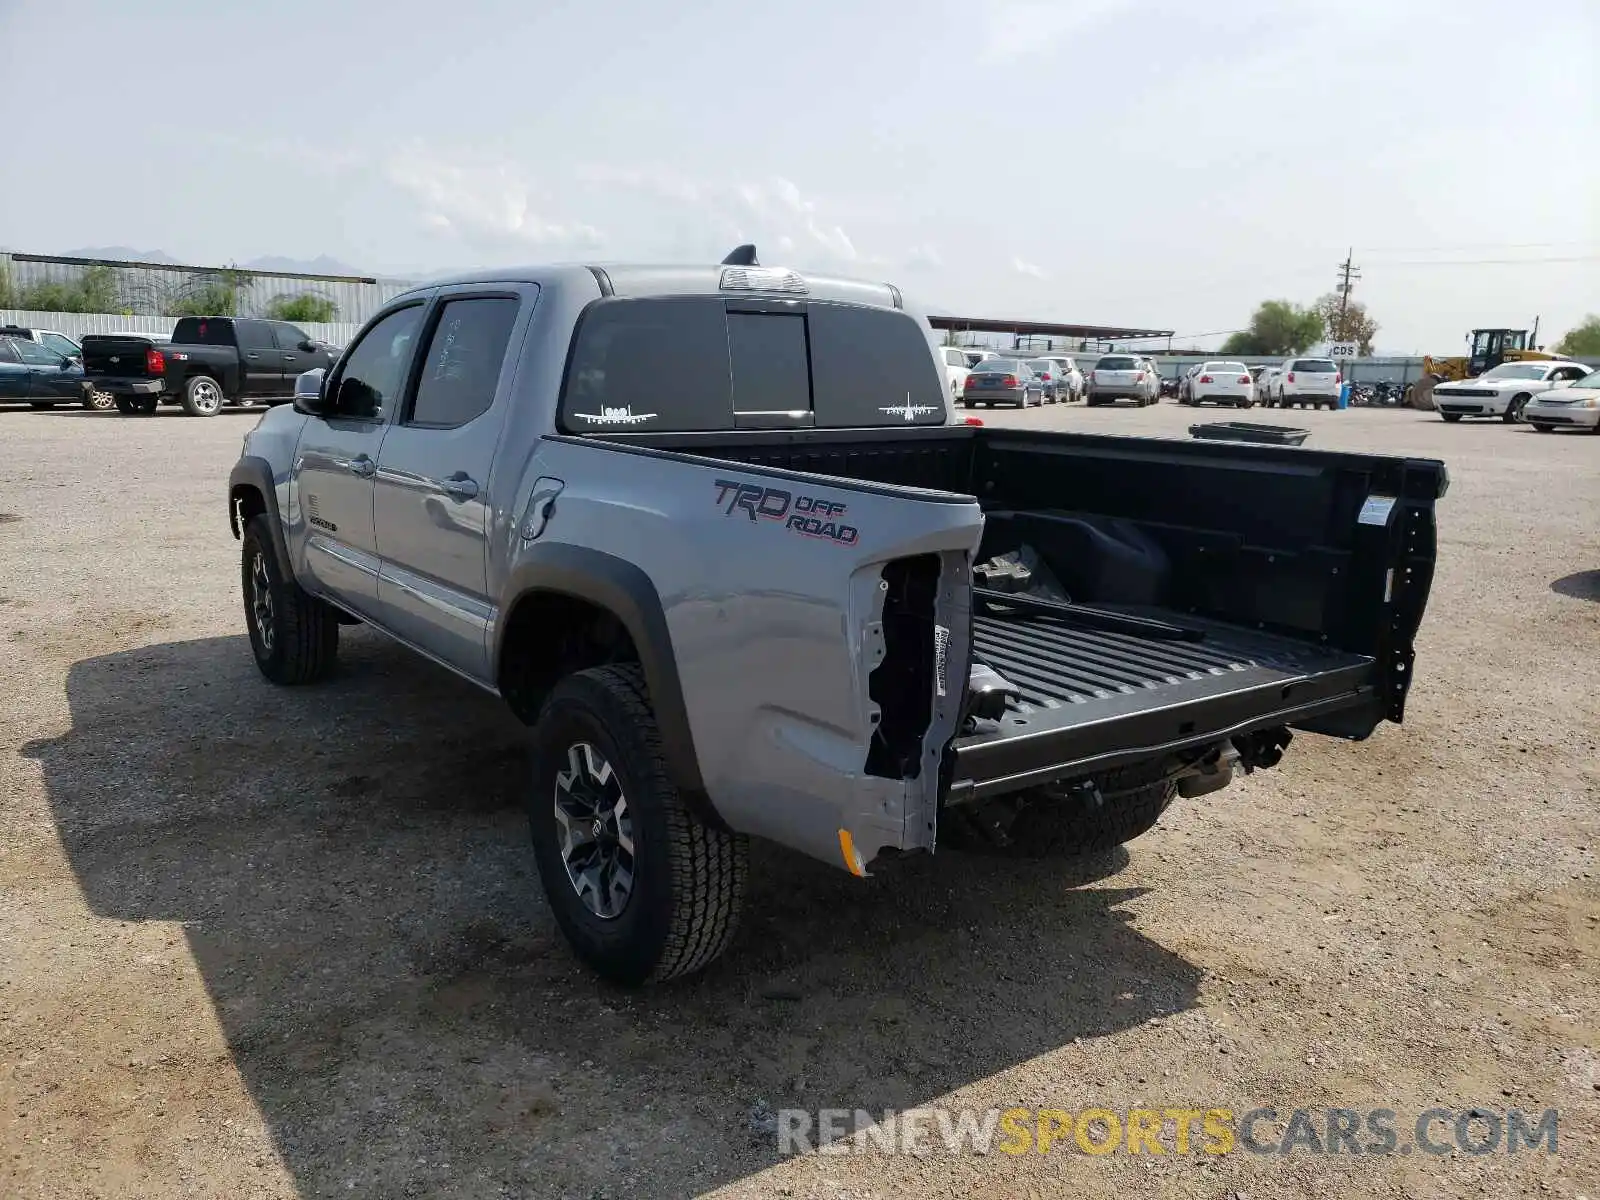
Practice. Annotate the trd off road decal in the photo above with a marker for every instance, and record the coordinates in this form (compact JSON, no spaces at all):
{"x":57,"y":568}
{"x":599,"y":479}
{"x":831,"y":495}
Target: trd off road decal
{"x":809,"y":516}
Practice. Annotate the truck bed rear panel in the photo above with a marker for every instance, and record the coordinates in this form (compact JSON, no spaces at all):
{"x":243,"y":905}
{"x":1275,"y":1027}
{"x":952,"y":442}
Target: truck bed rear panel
{"x":1076,"y":683}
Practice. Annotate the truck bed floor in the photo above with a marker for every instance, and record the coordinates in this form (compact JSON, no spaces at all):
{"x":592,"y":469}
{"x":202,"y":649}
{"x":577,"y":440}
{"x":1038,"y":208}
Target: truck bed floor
{"x":1089,"y":696}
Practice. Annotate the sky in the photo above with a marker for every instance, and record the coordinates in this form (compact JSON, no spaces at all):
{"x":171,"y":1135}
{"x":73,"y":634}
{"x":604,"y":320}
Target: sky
{"x":1161,"y":164}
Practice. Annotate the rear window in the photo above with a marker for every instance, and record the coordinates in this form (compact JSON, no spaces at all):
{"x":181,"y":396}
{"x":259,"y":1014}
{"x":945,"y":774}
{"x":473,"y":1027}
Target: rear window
{"x":1117,"y":362}
{"x":204,"y":331}
{"x":704,"y":362}
{"x":999,"y":366}
{"x":1314,"y":366}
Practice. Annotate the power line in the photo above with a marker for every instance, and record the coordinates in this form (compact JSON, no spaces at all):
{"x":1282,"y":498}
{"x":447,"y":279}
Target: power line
{"x":1483,"y":262}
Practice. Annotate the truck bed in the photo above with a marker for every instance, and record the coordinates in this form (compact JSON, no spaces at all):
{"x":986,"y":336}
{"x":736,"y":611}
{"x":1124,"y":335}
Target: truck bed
{"x":1307,"y":571}
{"x":1077,"y":685}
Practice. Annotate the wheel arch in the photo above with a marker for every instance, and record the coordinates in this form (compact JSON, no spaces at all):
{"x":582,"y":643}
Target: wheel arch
{"x":250,"y":494}
{"x":558,"y":574}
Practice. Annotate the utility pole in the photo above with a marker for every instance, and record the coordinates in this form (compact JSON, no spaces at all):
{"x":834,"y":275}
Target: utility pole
{"x":1348,"y":274}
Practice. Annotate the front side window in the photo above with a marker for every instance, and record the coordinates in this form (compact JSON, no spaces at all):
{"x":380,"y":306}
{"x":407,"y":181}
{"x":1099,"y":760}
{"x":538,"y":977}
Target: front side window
{"x":375,"y":370}
{"x":289,"y":337}
{"x":465,"y":354}
{"x":36,"y":355}
{"x":61,"y":344}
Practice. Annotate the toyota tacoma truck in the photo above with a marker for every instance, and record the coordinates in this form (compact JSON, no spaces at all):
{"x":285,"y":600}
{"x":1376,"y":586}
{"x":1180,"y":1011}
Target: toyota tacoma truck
{"x":206,"y":363}
{"x":715,"y":535}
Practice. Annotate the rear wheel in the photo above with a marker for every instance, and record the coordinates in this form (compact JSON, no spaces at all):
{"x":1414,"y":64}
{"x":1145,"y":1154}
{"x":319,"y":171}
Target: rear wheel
{"x":125,"y":405}
{"x":97,"y":401}
{"x":642,"y":889}
{"x":202,"y":396}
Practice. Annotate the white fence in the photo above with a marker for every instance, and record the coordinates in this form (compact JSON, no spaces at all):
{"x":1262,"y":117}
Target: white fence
{"x":75,"y":325}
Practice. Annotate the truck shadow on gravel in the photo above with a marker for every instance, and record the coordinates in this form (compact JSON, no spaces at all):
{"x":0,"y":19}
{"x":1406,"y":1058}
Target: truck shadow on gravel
{"x":349,"y":864}
{"x":1581,"y":585}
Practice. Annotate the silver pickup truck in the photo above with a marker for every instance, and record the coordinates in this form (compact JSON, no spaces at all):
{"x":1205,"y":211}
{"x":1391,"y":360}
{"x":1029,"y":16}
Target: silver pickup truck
{"x":715,"y":534}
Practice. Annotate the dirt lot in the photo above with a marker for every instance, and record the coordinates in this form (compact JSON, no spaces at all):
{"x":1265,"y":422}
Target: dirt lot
{"x":272,"y":943}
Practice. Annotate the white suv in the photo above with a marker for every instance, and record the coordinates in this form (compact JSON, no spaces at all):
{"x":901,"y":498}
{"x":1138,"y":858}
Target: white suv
{"x":1308,"y":382}
{"x":957,"y":366}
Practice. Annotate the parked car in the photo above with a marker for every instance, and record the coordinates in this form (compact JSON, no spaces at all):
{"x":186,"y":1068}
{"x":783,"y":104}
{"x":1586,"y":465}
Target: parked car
{"x":1574,"y":405}
{"x":41,"y":377}
{"x":530,"y":476}
{"x":1267,"y":384}
{"x":1308,"y":382}
{"x":974,"y":357}
{"x":1003,"y":381}
{"x":1122,"y":377}
{"x":1068,"y":375}
{"x":956,"y":369}
{"x":1056,"y":386}
{"x":1222,"y":382}
{"x":1504,"y":391}
{"x":50,"y":339}
{"x":208,"y":362}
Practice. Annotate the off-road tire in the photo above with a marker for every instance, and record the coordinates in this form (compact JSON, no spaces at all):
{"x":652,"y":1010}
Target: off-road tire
{"x":304,"y":644}
{"x":1044,"y":826}
{"x":203,"y":396}
{"x":688,"y":879}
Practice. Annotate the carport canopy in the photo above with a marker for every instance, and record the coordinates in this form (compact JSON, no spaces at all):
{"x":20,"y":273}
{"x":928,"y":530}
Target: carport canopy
{"x":1019,"y":329}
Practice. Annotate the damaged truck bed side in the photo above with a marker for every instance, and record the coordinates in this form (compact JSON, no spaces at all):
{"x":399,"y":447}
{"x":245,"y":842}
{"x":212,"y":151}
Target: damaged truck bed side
{"x":710,"y":532}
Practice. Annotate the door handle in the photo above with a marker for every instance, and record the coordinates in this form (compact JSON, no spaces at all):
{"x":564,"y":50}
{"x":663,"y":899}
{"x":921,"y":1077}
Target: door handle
{"x":459,"y":486}
{"x":360,"y":465}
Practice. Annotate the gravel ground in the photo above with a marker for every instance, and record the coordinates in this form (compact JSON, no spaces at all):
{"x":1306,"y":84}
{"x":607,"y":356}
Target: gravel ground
{"x":278,"y":943}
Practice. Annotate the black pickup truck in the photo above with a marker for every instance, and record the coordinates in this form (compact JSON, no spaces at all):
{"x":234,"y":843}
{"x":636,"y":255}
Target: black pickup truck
{"x":209,"y":362}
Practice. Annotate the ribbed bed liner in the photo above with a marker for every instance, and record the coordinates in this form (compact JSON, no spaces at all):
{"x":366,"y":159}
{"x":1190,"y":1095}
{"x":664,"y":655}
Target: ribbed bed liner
{"x":1069,"y":675}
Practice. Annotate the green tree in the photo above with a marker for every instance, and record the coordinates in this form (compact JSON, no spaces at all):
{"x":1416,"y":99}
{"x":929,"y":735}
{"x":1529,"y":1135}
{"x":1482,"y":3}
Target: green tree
{"x":307,"y":306}
{"x":1277,"y":327}
{"x":212,"y":294}
{"x":1353,"y":325}
{"x":8,"y":298}
{"x":1582,"y":340}
{"x":97,"y":288}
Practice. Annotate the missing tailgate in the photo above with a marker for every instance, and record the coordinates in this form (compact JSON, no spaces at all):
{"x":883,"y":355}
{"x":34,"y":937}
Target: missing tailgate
{"x":903,"y":684}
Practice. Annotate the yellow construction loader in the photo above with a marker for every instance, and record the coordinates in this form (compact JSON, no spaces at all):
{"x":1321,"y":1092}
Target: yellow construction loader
{"x":1489,"y":348}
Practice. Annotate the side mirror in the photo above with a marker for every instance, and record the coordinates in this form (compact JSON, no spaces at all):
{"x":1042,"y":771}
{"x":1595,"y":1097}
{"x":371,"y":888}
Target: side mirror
{"x":308,"y":346}
{"x":309,"y":395}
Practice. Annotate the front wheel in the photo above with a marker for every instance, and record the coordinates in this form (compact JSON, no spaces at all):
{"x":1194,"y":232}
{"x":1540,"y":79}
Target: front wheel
{"x":293,"y":634}
{"x":1513,"y":412}
{"x":202,"y":396}
{"x":642,"y":889}
{"x":1452,"y":418}
{"x":1551,"y":428}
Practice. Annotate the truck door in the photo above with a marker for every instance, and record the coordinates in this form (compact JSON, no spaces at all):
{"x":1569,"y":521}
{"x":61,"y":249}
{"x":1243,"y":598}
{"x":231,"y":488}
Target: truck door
{"x":432,"y":488}
{"x":337,"y":460}
{"x":292,"y":360}
{"x":260,"y":368}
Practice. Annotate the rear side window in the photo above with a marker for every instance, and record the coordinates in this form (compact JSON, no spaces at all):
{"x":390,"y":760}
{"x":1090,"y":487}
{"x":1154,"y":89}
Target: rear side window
{"x":8,"y":351}
{"x":462,"y":369}
{"x":700,"y":362}
{"x":253,"y":335}
{"x":1314,"y":366}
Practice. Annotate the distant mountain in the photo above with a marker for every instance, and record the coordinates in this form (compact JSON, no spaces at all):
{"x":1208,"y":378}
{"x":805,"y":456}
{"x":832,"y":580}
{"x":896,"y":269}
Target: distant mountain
{"x":124,"y":253}
{"x":320,"y":265}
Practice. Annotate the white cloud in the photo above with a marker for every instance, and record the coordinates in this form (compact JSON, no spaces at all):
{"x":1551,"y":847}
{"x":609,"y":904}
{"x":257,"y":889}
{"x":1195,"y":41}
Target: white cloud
{"x":487,"y":199}
{"x":1032,"y":270}
{"x":923,"y":258}
{"x":1015,"y":27}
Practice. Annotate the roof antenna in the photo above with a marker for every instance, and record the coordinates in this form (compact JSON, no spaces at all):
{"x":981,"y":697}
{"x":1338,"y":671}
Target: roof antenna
{"x":742,"y":256}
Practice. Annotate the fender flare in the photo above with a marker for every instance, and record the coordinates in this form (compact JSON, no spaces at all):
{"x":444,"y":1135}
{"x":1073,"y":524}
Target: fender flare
{"x":255,"y":473}
{"x":625,"y":591}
